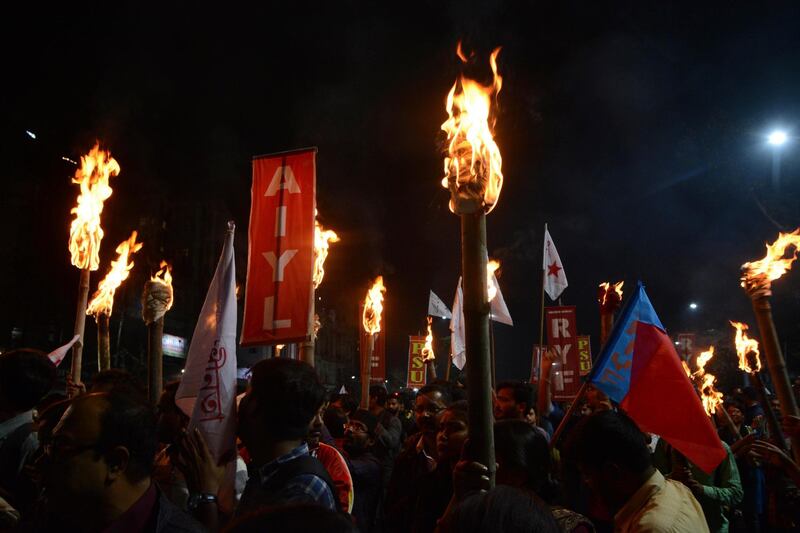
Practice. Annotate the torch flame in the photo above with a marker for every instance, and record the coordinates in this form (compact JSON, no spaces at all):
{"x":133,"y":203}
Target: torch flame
{"x":472,"y":166}
{"x":774,"y":264}
{"x":606,"y":291}
{"x":711,"y":397}
{"x":745,"y":346}
{"x":322,"y":239}
{"x":164,"y":277}
{"x":373,"y":307}
{"x":85,"y":232}
{"x":427,"y":350}
{"x":491,"y":287}
{"x":103,"y":299}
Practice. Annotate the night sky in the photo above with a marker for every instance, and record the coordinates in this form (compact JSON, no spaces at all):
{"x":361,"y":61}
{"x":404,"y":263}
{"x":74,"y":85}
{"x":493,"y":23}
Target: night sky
{"x":636,"y":130}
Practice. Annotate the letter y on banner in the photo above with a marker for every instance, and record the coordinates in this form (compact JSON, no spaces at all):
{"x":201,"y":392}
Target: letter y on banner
{"x":280,"y":263}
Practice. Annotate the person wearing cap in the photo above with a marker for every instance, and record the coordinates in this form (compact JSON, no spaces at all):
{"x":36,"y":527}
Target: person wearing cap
{"x":360,"y":437}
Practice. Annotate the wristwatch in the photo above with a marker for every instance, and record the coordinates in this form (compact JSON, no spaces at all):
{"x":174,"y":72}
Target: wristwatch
{"x":196,"y":499}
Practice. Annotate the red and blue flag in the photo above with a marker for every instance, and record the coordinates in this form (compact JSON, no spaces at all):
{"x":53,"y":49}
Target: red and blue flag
{"x":640,"y":369}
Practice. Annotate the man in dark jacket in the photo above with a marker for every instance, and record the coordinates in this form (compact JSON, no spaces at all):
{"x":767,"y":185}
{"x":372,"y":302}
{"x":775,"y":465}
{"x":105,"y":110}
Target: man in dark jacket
{"x":97,"y":470}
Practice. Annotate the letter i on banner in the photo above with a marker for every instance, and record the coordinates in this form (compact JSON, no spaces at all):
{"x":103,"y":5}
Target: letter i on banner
{"x":280,"y":263}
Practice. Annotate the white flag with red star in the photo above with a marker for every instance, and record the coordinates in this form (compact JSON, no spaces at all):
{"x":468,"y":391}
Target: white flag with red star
{"x":555,"y":279}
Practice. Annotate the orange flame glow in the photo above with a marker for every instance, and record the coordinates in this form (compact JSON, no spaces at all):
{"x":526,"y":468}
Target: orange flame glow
{"x":103,"y":299}
{"x":746,"y":349}
{"x":85,"y":232}
{"x":373,"y":307}
{"x":427,"y":350}
{"x":473,"y":164}
{"x":491,"y":287}
{"x":606,"y":291}
{"x":322,"y":239}
{"x":687,"y":369}
{"x":711,"y":397}
{"x":774,"y":264}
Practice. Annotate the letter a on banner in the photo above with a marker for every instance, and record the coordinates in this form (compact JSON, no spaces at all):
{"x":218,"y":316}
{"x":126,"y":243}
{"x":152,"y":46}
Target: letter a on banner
{"x":280,"y":262}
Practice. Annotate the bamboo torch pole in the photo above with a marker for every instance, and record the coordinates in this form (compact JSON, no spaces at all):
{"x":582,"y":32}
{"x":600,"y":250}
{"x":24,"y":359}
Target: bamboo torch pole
{"x":474,"y":258}
{"x":103,"y":342}
{"x":80,"y":325}
{"x":156,"y":301}
{"x":366,"y":371}
{"x":772,"y":350}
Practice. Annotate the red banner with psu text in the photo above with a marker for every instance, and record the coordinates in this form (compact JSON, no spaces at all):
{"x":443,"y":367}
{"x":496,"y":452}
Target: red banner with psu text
{"x":417,"y":369}
{"x":378,"y":371}
{"x":280,"y":264}
{"x":562,"y":337}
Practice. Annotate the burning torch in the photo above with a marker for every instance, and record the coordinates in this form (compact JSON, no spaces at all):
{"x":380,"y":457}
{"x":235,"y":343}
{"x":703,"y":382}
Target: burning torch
{"x":157,"y":299}
{"x":474,"y":177}
{"x":85,"y":233}
{"x":757,"y":278}
{"x":610,"y":298}
{"x":103,"y":300}
{"x":704,"y":384}
{"x":428,"y":354}
{"x":750,"y":362}
{"x":371,"y":320}
{"x":322,"y":239}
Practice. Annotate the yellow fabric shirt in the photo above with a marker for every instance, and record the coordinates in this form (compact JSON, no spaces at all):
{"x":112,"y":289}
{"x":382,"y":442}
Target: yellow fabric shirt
{"x":663,"y":506}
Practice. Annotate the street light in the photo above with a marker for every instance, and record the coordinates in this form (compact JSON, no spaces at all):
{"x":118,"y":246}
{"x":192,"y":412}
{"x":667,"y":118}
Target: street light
{"x":776,"y":139}
{"x":692,"y":306}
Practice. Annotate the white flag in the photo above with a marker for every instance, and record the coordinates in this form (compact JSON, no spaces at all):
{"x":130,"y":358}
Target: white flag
{"x":457,"y":333}
{"x":555,"y":280}
{"x":58,"y":355}
{"x":207,"y":392}
{"x":499,"y":310}
{"x":436,"y":307}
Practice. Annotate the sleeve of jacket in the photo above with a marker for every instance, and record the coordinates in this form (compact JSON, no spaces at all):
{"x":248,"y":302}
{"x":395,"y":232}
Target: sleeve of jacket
{"x":389,"y":435}
{"x":729,"y":485}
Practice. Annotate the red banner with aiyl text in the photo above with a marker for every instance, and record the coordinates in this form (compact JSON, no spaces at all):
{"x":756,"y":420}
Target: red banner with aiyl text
{"x":279,"y":296}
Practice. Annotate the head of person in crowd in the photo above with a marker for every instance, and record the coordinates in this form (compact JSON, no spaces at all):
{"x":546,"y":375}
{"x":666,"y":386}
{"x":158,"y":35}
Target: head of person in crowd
{"x":315,"y":427}
{"x":345,"y":402}
{"x":100,"y":459}
{"x":395,"y":404}
{"x":171,"y":419}
{"x":611,"y":453}
{"x":513,"y":400}
{"x":335,"y":420}
{"x":453,"y":433}
{"x":776,"y":405}
{"x":294,"y":517}
{"x":284,"y":396}
{"x":26,"y":376}
{"x":377,"y":399}
{"x":360,"y":433}
{"x":429,"y":406}
{"x":597,"y":400}
{"x":115,"y":378}
{"x":504,"y":509}
{"x":735,"y":410}
{"x":523,"y":458}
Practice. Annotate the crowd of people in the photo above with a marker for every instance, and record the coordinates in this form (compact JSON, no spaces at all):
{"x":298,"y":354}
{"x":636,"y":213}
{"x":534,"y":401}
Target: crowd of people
{"x":100,"y":458}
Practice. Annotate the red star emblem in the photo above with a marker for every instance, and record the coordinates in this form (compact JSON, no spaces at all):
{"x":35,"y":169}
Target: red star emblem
{"x":553,"y":269}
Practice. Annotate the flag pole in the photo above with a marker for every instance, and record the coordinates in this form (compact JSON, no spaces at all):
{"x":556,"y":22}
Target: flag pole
{"x":541,"y":310}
